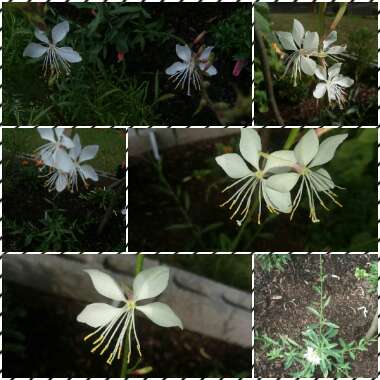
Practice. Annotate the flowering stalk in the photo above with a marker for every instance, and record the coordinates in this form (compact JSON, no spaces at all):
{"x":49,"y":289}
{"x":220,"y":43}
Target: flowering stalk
{"x":124,"y":368}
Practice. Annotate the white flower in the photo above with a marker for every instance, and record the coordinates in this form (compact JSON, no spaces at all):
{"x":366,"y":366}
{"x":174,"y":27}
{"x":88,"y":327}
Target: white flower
{"x":334,"y":84}
{"x":303,"y":46}
{"x":312,"y":356}
{"x":188,"y":71}
{"x":332,"y":51}
{"x":116,"y":323}
{"x":78,"y":156}
{"x":308,"y":155}
{"x":55,"y":57}
{"x":274,"y":189}
{"x":53,"y":154}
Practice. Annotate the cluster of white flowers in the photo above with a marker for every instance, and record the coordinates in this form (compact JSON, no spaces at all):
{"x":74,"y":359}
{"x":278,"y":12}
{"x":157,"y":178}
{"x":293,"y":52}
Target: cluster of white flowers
{"x":64,"y":157}
{"x":305,"y":49}
{"x":278,"y":176}
{"x":113,"y":324}
{"x":192,"y":65}
{"x":56,"y":58}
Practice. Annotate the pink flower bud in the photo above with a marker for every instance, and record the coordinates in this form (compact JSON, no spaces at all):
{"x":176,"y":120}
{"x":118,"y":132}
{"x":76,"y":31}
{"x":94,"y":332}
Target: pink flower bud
{"x":120,"y":56}
{"x":240,"y":63}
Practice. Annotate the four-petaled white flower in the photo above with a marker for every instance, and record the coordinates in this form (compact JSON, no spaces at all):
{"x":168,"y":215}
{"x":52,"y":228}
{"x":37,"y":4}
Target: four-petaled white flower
{"x":275,"y":189}
{"x":113,"y":324}
{"x":303,"y":46}
{"x":64,"y":157}
{"x":312,"y":356}
{"x":190,"y":69}
{"x":55,"y":57}
{"x":78,"y":156}
{"x":309,"y":154}
{"x":334,"y":84}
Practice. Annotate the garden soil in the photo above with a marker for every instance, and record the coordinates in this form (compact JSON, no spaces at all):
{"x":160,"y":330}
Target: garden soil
{"x":281,"y":300}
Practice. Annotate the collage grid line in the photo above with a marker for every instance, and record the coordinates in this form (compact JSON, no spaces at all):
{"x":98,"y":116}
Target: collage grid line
{"x":252,"y":254}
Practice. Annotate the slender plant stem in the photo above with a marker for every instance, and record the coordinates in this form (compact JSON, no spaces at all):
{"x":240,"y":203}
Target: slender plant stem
{"x":321,"y":275}
{"x":267,"y":75}
{"x":292,"y":137}
{"x":339,"y":16}
{"x":124,"y":369}
{"x":194,"y":229}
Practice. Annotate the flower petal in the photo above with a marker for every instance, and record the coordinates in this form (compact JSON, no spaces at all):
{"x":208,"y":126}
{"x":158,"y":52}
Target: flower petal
{"x":150,"y":283}
{"x":176,"y":67}
{"x":323,"y":181}
{"x":41,"y":35}
{"x":327,"y":150}
{"x":335,"y":50}
{"x":161,"y":314}
{"x":321,"y":73}
{"x":46,"y":134}
{"x":286,"y":40}
{"x":298,"y":32}
{"x":89,"y":172}
{"x":210,"y":71}
{"x":98,"y":314}
{"x":250,"y":146}
{"x":61,"y":182}
{"x":63,"y":161}
{"x":105,"y":285}
{"x":233,"y":165}
{"x":307,"y":147}
{"x":343,"y":81}
{"x":320,"y":90}
{"x":34,"y":50}
{"x":280,"y":159}
{"x":206,"y":53}
{"x":334,"y":70}
{"x":311,"y":41}
{"x":276,"y":200}
{"x":308,"y":66}
{"x":282,"y":182}
{"x":88,"y":152}
{"x":76,"y":149}
{"x":59,"y":32}
{"x":183,"y":52}
{"x":69,"y":54}
{"x":330,"y":39}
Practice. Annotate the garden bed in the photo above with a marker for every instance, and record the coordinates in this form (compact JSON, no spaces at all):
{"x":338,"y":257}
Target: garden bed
{"x":104,"y":89}
{"x":281,"y":299}
{"x":72,"y":219}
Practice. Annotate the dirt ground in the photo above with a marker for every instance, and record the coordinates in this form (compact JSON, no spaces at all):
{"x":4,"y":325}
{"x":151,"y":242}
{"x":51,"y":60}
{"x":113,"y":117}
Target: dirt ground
{"x":286,"y":314}
{"x":52,"y":344}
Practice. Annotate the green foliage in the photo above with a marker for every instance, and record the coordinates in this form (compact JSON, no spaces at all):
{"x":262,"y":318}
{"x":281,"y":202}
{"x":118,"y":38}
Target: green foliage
{"x":53,"y":232}
{"x":122,"y":27}
{"x":98,"y":198}
{"x":371,"y":276}
{"x":233,"y":36}
{"x":322,"y":337}
{"x":269,"y":262}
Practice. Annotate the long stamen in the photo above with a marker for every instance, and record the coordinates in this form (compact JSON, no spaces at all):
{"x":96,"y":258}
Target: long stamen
{"x":297,"y":199}
{"x":134,"y":332}
{"x":235,"y":197}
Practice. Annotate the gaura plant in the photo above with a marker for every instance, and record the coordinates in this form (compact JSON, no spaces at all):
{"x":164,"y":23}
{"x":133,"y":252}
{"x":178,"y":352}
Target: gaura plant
{"x":55,"y":58}
{"x":114,"y":324}
{"x":191,"y":67}
{"x":305,"y":51}
{"x":320,"y":350}
{"x":64,"y":159}
{"x":279,"y":174}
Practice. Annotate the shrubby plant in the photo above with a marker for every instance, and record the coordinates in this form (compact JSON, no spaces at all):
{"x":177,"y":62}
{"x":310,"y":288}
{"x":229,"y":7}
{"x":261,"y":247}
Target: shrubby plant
{"x":320,"y":352}
{"x":269,"y":262}
{"x":370,"y":275}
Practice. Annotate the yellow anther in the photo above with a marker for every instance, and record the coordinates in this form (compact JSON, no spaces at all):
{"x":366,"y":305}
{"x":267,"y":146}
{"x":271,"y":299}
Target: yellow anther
{"x":110,"y":359}
{"x":96,"y":347}
{"x":89,"y":336}
{"x":119,"y":352}
{"x":129,"y":356}
{"x":139,"y":350}
{"x":104,"y":349}
{"x":99,"y":340}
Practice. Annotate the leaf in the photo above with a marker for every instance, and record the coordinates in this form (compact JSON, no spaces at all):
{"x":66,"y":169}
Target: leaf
{"x":313,"y":311}
{"x":330,"y":324}
{"x":178,"y":227}
{"x":212,"y":227}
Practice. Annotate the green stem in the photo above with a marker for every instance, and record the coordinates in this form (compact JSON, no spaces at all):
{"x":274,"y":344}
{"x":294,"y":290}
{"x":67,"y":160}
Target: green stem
{"x":290,"y":141}
{"x":321,"y":17}
{"x":124,"y":369}
{"x":321,"y":275}
{"x":339,"y":16}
